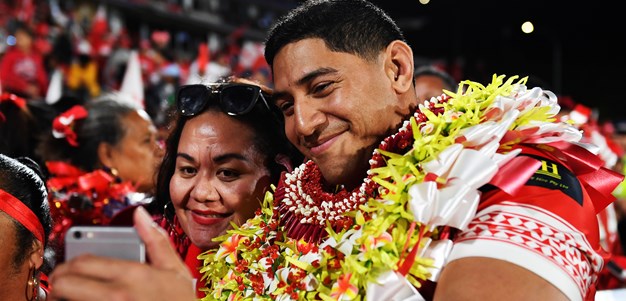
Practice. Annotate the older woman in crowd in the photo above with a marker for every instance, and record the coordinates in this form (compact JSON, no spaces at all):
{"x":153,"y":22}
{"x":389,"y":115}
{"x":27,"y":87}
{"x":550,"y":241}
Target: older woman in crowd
{"x":102,"y":158}
{"x":24,"y":225}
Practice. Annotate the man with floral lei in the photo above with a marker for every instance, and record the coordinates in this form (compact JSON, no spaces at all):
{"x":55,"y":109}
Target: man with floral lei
{"x":473,"y":195}
{"x":412,"y":200}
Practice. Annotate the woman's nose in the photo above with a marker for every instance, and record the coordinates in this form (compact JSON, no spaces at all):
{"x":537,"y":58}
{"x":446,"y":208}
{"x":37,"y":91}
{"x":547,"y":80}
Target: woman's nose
{"x":205,"y":191}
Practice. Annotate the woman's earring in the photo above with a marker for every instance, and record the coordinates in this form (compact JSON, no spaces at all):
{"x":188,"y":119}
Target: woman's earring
{"x":168,"y":211}
{"x":114,"y":172}
{"x":32,"y":285}
{"x":111,"y":170}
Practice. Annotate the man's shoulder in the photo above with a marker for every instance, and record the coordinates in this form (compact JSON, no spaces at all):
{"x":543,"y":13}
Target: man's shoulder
{"x":554,"y":175}
{"x":542,"y":180}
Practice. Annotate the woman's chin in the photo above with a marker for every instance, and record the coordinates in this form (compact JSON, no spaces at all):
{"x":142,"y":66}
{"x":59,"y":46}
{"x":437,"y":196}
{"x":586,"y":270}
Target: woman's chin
{"x":207,"y":245}
{"x":203,"y":240}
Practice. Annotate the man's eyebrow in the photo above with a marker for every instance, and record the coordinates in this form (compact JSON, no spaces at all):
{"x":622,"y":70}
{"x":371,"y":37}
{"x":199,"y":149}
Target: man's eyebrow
{"x":306,"y":79}
{"x":315,"y":73}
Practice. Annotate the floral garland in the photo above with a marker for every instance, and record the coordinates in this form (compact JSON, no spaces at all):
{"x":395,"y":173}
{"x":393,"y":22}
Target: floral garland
{"x":426,"y":176}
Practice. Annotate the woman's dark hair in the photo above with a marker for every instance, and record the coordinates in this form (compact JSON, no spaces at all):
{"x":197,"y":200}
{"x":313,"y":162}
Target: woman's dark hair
{"x":14,"y":26}
{"x":104,"y":123}
{"x":22,"y":178}
{"x":18,"y":130}
{"x":351,"y":26}
{"x":270,"y":140}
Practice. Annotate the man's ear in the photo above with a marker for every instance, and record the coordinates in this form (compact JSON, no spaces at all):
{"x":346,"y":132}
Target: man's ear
{"x":36,"y":255}
{"x":105,"y":157}
{"x":399,"y":66}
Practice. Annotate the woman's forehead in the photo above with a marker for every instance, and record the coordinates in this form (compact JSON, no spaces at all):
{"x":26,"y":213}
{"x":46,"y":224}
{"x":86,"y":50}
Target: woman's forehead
{"x":217,"y":125}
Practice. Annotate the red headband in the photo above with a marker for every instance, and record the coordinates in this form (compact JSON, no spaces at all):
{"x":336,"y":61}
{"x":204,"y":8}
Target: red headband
{"x":20,"y":212}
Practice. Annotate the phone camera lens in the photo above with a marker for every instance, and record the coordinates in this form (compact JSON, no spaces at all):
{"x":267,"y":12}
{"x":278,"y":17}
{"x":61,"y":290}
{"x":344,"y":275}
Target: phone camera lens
{"x":78,"y":234}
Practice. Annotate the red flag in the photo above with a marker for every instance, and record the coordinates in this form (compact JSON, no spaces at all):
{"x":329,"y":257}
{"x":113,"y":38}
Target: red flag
{"x":203,"y":57}
{"x":99,"y":30}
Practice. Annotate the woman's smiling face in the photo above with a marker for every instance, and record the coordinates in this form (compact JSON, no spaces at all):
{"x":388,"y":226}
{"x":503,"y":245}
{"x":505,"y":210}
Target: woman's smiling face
{"x":220,"y":176}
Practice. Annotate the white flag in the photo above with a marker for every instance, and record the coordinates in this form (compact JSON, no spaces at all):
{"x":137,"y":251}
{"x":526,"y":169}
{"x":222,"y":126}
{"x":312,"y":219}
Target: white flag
{"x":132,"y":83}
{"x":55,"y":87}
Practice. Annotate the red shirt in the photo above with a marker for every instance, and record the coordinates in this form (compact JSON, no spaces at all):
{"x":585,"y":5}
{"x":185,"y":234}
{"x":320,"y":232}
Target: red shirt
{"x":18,"y":70}
{"x":194,"y":265}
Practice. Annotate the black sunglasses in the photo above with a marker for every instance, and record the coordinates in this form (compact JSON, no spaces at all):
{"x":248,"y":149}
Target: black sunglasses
{"x":234,"y":98}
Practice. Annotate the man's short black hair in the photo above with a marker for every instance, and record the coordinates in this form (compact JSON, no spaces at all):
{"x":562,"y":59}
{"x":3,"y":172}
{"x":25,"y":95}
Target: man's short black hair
{"x":352,"y":26}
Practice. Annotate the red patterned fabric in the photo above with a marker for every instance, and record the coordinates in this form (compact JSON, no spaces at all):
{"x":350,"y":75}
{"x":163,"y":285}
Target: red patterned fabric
{"x":540,"y":232}
{"x":541,"y":227}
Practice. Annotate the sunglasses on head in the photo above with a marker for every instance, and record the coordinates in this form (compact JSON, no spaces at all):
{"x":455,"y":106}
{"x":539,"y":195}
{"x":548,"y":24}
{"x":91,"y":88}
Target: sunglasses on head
{"x":233,"y":98}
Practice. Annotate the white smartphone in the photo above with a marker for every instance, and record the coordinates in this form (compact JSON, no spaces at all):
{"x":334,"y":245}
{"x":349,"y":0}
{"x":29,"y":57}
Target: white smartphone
{"x":117,"y":242}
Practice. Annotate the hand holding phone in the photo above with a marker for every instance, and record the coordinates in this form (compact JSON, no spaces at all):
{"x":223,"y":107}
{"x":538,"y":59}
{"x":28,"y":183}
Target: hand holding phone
{"x":170,"y":278}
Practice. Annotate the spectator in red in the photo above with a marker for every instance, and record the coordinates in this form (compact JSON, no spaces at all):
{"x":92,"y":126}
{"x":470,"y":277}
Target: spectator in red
{"x":21,"y":69}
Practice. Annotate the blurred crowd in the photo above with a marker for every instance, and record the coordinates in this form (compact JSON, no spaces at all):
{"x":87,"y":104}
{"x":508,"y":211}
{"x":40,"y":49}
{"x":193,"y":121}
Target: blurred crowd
{"x":89,"y":99}
{"x":81,"y":49}
{"x":58,"y":57}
